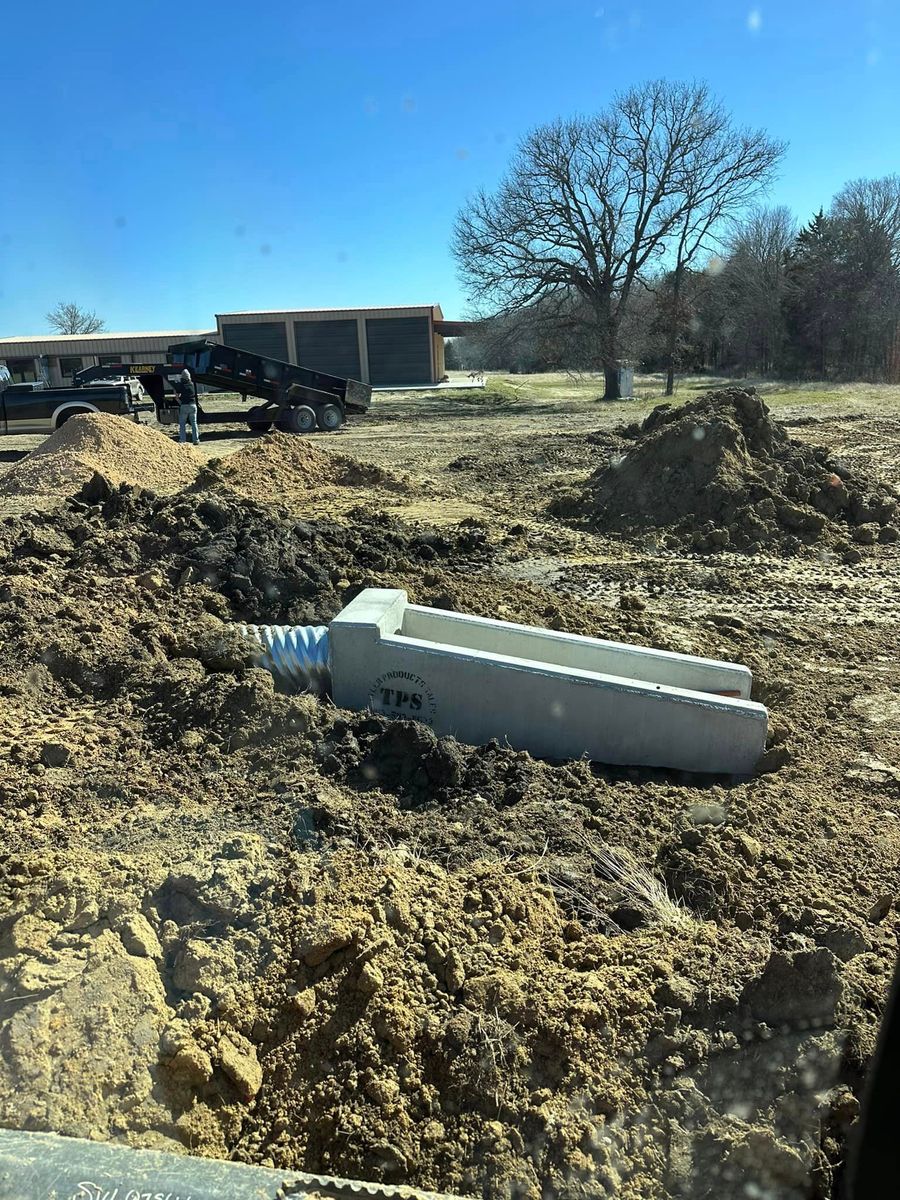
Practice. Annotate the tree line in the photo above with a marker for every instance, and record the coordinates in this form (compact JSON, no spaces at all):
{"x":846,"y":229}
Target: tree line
{"x":638,"y":236}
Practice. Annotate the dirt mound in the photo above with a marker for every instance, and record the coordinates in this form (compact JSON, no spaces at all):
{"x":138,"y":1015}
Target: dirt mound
{"x":259,"y":559}
{"x":281,"y":465}
{"x":428,"y":1011}
{"x":119,"y":449}
{"x":331,"y":942}
{"x":718,"y":473}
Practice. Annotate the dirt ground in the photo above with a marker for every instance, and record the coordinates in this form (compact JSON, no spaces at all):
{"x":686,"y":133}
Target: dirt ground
{"x":249,"y":925}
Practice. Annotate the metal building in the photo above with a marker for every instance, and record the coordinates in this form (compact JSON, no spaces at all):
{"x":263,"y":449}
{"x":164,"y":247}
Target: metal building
{"x":56,"y":356}
{"x":393,"y":346}
{"x":396,"y":346}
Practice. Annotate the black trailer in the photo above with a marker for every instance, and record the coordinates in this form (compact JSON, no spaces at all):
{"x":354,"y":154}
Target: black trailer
{"x":294,"y":398}
{"x":157,"y":379}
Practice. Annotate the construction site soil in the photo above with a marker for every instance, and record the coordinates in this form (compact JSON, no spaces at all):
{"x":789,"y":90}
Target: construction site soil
{"x":718,"y":473}
{"x":123,"y":450}
{"x":247,"y":924}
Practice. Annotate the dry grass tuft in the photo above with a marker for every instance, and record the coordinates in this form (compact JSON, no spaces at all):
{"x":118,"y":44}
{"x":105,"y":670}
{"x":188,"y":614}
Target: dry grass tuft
{"x":635,"y":885}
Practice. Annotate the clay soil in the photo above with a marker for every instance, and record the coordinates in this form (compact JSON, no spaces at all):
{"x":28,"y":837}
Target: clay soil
{"x":248,"y":925}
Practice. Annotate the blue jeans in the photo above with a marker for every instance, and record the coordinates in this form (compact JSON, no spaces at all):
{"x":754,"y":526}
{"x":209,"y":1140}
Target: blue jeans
{"x":188,"y":412}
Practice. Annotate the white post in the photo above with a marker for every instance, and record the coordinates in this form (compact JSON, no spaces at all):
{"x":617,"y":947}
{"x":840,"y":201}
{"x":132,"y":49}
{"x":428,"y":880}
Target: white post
{"x":363,"y":350}
{"x":291,"y":340}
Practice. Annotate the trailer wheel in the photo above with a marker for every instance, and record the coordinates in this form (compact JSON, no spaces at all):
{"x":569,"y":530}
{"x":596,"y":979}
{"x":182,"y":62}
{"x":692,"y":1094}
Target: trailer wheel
{"x":330,"y":417}
{"x":301,"y":419}
{"x":257,"y":420}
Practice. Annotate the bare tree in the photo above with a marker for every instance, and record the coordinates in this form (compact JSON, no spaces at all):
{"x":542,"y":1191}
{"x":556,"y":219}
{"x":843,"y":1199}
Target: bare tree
{"x":875,"y":203}
{"x":592,"y":203}
{"x":69,"y":318}
{"x":755,"y":282}
{"x":725,"y":170}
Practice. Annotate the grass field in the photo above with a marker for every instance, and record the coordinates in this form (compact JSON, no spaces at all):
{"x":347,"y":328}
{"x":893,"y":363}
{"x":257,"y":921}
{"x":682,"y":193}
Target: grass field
{"x":650,"y":389}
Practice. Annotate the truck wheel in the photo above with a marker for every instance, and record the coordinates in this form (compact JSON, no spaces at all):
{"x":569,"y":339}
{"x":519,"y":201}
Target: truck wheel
{"x":330,"y":417}
{"x":301,"y":419}
{"x":72,"y":412}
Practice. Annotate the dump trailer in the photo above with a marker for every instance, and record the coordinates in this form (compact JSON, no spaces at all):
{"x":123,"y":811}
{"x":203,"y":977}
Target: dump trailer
{"x":157,"y":380}
{"x":293,"y":398}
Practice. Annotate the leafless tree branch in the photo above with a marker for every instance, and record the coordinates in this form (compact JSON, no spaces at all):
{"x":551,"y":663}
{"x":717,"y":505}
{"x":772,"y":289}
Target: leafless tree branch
{"x":592,"y":203}
{"x":69,"y":318}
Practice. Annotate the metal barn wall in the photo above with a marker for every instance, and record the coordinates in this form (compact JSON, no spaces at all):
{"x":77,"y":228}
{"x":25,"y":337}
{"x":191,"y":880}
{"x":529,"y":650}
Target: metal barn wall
{"x":148,"y":345}
{"x":400,"y":350}
{"x":329,"y":346}
{"x":394,"y":345}
{"x":268,"y":338}
{"x":49,"y":349}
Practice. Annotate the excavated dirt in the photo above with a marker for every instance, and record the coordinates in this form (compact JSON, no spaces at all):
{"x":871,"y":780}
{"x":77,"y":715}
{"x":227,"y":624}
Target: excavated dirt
{"x":123,"y":451}
{"x":281,"y":466}
{"x":249,"y":925}
{"x":718,"y":473}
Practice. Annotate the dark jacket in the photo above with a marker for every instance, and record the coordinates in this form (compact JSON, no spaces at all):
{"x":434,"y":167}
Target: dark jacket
{"x":187,"y":393}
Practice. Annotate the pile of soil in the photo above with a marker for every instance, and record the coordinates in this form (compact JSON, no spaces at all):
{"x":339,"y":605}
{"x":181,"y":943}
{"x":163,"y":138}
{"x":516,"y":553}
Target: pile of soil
{"x":121,"y":450}
{"x":282,"y":464}
{"x":718,"y":473}
{"x":329,"y":942}
{"x":267,"y":565}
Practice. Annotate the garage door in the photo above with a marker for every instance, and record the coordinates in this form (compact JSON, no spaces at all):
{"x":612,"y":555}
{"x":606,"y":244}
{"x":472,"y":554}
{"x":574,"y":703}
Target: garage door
{"x":399,"y":350}
{"x":329,"y":346}
{"x":268,"y":338}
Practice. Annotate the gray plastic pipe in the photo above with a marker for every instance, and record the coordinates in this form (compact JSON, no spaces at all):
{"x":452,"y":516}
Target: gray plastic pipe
{"x":45,"y":1166}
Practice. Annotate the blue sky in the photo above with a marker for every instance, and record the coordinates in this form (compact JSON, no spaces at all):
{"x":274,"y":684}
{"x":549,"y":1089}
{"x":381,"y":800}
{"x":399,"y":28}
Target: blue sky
{"x":163,"y":162}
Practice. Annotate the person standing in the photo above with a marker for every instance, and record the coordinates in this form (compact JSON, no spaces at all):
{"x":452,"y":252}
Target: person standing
{"x":187,"y":407}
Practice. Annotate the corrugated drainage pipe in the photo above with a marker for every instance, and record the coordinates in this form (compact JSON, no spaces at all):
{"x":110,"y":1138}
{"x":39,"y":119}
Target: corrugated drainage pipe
{"x":297,"y":654}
